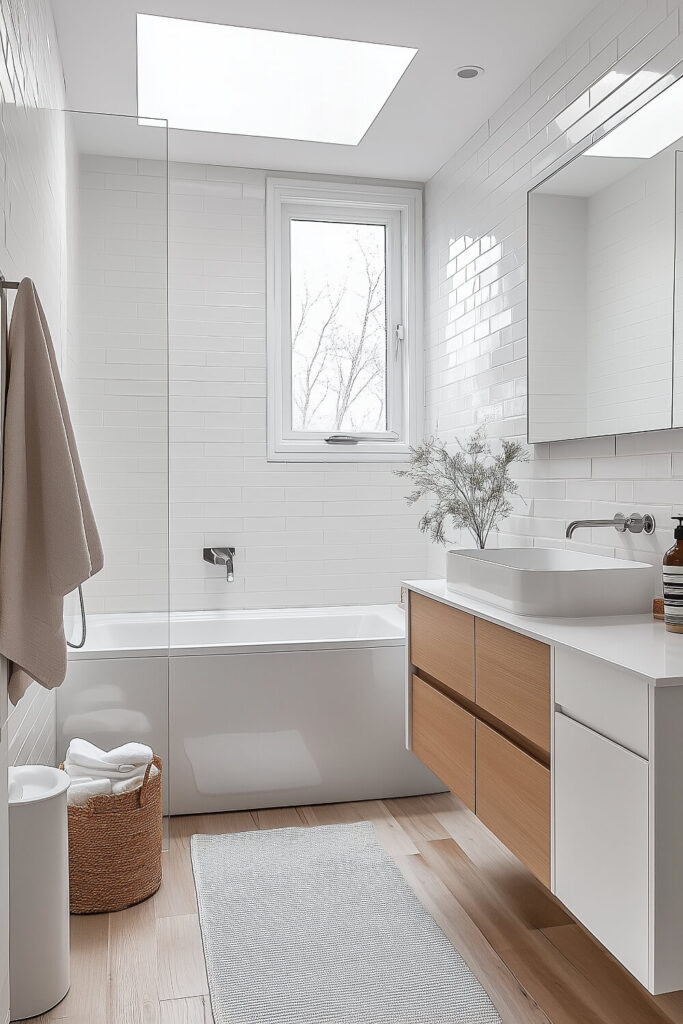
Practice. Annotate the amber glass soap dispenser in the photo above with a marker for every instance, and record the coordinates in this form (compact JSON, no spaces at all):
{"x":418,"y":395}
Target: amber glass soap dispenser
{"x":672,"y":578}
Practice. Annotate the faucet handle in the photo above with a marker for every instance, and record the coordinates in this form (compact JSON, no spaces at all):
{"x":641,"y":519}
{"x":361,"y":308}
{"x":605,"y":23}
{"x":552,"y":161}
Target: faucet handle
{"x":640,"y":524}
{"x":221,"y":556}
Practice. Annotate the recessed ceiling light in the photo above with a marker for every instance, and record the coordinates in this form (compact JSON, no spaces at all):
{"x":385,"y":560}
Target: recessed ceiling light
{"x":244,"y":81}
{"x":650,"y":130}
{"x":469,"y":71}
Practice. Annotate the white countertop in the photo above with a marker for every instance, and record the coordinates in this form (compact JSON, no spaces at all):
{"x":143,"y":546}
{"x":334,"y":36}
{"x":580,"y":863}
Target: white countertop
{"x":637,"y":643}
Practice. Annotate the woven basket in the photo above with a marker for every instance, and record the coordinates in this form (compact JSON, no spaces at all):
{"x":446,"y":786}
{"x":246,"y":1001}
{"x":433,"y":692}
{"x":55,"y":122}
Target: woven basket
{"x":115,"y":848}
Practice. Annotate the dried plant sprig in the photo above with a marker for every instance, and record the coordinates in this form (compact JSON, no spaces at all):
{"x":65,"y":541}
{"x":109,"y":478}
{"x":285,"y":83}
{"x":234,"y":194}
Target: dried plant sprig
{"x":472,"y":487}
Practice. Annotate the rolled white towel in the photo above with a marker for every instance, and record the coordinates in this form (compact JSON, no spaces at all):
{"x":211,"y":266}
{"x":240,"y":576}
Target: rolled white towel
{"x":79,"y":792}
{"x":77,"y":771}
{"x":130,"y":753}
{"x":83,"y":749}
{"x":85,"y":759}
{"x":130,"y":785}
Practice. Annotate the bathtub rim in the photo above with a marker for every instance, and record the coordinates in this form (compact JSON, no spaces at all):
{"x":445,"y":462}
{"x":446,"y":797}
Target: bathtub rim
{"x":394,"y":611}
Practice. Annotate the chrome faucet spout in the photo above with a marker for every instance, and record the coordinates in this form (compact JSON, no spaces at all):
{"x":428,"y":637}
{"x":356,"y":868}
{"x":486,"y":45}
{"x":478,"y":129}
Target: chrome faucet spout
{"x":635,"y":523}
{"x":222,"y":556}
{"x":579,"y":524}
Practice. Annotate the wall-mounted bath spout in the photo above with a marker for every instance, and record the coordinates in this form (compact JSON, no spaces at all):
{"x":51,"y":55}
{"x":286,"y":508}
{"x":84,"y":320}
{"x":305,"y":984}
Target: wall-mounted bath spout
{"x":635,"y":523}
{"x":222,"y":556}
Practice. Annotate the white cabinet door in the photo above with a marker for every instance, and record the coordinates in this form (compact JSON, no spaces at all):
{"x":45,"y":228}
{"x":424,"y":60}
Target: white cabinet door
{"x":601,"y":840}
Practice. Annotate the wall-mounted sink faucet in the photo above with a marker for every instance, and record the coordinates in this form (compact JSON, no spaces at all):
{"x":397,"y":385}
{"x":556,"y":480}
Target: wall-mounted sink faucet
{"x":635,"y":523}
{"x":222,"y":556}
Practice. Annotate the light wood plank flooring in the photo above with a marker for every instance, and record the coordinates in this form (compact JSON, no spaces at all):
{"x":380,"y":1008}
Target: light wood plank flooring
{"x":145,"y":965}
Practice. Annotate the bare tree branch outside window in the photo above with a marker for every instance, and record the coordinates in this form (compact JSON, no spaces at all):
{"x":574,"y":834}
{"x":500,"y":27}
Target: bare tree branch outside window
{"x":339,"y":326}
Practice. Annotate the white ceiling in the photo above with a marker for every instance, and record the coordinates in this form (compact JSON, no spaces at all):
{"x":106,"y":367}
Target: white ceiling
{"x":428,"y":116}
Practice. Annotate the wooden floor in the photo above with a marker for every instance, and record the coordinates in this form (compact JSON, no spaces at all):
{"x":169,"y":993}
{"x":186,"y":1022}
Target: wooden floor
{"x":145,"y":965}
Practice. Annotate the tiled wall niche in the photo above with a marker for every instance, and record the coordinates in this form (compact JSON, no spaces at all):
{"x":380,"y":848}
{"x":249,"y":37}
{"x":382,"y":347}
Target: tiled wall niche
{"x":475,"y":341}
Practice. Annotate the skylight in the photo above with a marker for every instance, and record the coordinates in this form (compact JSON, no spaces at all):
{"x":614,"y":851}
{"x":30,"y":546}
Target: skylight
{"x":651,"y":129}
{"x":244,"y":81}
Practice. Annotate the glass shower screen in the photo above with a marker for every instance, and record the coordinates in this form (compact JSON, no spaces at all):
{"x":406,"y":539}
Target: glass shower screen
{"x":115,"y":369}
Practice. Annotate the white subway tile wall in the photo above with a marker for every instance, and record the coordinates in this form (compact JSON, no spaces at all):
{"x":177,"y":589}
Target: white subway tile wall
{"x":305,"y":534}
{"x":117,"y":382}
{"x":475,"y":339}
{"x":33,"y":244}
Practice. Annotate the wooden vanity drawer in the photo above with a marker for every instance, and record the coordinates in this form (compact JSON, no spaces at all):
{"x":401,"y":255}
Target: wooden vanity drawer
{"x":443,"y":738}
{"x":442,"y":643}
{"x":513,"y":799}
{"x":513,"y":681}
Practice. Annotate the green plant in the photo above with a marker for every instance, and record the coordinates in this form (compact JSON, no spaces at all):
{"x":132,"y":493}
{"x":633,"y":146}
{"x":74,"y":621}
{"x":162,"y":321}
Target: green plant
{"x":472,"y":486}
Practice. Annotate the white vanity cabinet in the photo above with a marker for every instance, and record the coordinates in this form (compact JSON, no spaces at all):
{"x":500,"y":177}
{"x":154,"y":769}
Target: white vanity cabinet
{"x":617,"y":770}
{"x":565,"y":737}
{"x":601,"y":840}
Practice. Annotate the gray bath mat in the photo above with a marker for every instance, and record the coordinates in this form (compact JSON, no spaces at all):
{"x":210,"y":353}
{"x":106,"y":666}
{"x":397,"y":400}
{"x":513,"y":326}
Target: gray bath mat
{"x":317,"y":925}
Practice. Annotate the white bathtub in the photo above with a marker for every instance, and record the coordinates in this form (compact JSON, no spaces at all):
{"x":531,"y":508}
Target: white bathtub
{"x":241,"y":632}
{"x":252,"y":708}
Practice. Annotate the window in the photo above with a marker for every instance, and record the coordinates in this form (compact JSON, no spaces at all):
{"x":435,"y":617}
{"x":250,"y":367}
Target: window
{"x":344,"y":289}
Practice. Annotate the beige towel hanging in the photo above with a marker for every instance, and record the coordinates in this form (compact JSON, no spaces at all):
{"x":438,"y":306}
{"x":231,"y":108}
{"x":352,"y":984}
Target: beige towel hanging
{"x":48,"y":537}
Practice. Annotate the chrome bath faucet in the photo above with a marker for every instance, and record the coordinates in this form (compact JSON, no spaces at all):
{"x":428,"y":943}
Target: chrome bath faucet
{"x":222,"y":556}
{"x":635,"y":523}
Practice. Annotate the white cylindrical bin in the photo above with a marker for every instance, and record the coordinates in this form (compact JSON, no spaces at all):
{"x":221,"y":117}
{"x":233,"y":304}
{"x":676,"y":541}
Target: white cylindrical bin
{"x":39,"y":889}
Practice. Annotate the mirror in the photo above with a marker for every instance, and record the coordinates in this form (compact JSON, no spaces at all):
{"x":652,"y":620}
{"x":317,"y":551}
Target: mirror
{"x":601,"y":271}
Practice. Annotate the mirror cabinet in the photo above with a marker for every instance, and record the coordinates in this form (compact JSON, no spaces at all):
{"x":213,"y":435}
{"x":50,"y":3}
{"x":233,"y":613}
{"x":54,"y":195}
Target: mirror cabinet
{"x":605,"y":283}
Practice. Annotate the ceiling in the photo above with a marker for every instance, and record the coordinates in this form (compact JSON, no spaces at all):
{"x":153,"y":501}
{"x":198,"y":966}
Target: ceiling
{"x":428,"y":116}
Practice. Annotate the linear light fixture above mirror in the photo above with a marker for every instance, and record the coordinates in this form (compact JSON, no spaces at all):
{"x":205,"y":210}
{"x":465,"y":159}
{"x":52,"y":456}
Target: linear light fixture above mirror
{"x":651,"y":129}
{"x":245,"y":81}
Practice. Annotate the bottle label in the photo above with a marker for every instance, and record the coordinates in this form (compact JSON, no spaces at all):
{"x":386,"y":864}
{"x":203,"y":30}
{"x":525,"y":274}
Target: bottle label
{"x":672,"y":577}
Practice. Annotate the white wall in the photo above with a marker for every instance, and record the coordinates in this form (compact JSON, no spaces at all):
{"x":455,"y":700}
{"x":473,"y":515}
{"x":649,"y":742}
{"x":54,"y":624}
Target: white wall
{"x":117,"y":372}
{"x":32,"y":243}
{"x":305,"y":534}
{"x":475,"y":287}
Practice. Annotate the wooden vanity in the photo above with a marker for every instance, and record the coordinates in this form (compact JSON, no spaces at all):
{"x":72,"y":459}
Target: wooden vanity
{"x":481,"y":722}
{"x":565,"y":737}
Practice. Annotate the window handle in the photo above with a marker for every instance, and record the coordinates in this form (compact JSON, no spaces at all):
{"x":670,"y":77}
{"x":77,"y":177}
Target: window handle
{"x":390,"y":435}
{"x":341,"y":439}
{"x":399,"y":336}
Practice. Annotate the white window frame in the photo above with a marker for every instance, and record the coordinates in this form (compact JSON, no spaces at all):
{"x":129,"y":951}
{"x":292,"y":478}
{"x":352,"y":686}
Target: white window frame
{"x":400,"y":211}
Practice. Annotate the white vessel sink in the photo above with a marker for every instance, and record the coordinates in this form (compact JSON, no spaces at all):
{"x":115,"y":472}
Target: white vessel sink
{"x":549,"y":581}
